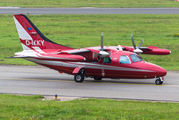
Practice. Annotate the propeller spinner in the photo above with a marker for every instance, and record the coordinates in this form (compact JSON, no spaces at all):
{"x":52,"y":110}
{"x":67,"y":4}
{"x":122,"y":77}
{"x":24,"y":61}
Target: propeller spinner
{"x":137,"y":50}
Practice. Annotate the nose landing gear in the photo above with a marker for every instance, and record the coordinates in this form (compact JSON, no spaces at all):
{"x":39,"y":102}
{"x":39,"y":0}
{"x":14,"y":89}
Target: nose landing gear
{"x":159,"y":80}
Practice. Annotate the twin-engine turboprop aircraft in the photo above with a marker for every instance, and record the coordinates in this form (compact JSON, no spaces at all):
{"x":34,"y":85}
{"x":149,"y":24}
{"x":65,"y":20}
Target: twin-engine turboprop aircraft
{"x":95,"y":62}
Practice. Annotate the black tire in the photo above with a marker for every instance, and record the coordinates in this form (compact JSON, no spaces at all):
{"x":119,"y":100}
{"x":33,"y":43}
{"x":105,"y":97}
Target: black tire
{"x":158,"y":82}
{"x":97,"y":78}
{"x":161,"y":82}
{"x":79,"y":78}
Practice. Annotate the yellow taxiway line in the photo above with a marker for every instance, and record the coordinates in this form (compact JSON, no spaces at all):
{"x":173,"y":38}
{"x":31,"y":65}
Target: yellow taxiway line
{"x":84,"y":81}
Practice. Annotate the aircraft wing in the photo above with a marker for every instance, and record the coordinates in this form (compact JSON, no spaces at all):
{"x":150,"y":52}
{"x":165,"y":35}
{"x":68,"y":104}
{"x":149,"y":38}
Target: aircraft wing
{"x":78,"y":51}
{"x":90,"y":54}
{"x":153,"y":50}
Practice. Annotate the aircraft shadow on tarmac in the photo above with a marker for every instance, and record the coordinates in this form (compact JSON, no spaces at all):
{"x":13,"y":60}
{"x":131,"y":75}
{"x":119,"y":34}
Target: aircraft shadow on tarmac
{"x":91,"y":80}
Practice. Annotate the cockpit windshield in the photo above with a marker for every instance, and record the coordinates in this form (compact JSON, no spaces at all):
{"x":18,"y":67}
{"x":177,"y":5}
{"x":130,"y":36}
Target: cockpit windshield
{"x":135,"y":58}
{"x":124,"y":59}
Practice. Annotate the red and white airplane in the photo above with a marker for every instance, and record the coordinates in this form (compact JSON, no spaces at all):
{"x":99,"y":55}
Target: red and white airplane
{"x":95,"y":62}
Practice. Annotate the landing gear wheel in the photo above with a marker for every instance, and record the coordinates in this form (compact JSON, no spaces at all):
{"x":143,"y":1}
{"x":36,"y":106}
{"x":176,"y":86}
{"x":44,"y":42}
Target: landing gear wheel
{"x":79,"y":78}
{"x":158,"y":81}
{"x":97,"y":78}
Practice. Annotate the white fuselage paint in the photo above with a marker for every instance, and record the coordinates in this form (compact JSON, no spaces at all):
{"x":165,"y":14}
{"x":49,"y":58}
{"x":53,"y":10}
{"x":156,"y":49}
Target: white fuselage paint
{"x":85,"y":64}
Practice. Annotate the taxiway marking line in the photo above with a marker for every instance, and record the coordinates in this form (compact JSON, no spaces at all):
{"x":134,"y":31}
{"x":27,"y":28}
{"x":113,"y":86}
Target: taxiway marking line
{"x":20,"y":79}
{"x":33,"y":79}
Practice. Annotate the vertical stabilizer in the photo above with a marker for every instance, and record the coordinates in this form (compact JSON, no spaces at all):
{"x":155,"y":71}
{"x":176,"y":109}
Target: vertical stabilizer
{"x":31,"y":38}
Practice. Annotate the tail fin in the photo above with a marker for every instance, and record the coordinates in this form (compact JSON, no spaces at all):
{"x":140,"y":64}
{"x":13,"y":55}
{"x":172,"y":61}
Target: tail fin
{"x":32,"y":38}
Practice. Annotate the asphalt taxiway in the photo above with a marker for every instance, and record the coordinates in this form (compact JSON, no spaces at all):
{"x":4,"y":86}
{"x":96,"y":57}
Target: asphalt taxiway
{"x":87,"y":10}
{"x":44,"y":81}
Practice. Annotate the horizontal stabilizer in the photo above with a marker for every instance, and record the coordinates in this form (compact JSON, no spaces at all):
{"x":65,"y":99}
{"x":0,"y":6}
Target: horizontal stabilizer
{"x":19,"y":57}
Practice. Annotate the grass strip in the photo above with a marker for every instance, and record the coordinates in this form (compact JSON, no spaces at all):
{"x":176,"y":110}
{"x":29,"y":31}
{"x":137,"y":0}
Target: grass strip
{"x":91,"y":3}
{"x":79,"y":31}
{"x":32,"y":107}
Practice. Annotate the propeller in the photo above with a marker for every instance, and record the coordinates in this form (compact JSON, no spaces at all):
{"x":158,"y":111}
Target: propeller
{"x":101,"y":41}
{"x":102,"y":54}
{"x":120,"y":48}
{"x":137,"y":50}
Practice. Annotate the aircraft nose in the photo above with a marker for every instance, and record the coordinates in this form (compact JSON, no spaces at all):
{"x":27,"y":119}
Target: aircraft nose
{"x":157,"y":70}
{"x":162,"y":71}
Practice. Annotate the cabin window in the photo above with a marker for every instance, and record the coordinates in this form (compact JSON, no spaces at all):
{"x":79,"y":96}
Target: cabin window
{"x":135,"y":58}
{"x":107,"y":60}
{"x":124,"y":59}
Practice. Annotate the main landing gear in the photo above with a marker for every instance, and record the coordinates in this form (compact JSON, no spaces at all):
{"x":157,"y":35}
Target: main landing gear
{"x":159,"y":81}
{"x":79,"y":77}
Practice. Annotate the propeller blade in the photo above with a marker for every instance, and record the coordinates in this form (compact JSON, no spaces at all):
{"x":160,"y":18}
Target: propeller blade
{"x":120,"y":48}
{"x":101,"y":41}
{"x":102,"y":54}
{"x":142,"y":41}
{"x":133,"y":43}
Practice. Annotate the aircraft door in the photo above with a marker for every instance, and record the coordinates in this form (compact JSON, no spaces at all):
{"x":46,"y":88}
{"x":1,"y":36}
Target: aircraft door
{"x":105,"y":64}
